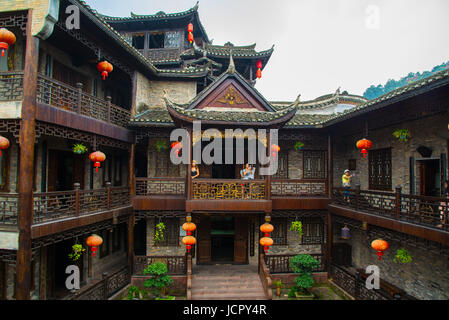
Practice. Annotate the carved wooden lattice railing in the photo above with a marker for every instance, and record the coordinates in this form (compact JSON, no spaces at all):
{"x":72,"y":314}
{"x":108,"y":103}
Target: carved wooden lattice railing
{"x":265,"y":277}
{"x":161,"y":54}
{"x":298,"y":187}
{"x":11,"y":86}
{"x":50,"y":206}
{"x":176,"y":265}
{"x":432,"y":212}
{"x":280,"y":263}
{"x":160,"y":186}
{"x":64,"y":96}
{"x":229,"y":189}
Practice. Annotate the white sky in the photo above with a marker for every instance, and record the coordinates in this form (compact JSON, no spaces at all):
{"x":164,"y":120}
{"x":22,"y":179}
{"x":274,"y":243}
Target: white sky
{"x":319,"y":44}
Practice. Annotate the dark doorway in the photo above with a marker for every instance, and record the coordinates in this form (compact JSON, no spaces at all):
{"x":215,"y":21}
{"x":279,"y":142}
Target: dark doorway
{"x":222,"y":239}
{"x":140,"y":238}
{"x":430,"y":184}
{"x":64,"y":169}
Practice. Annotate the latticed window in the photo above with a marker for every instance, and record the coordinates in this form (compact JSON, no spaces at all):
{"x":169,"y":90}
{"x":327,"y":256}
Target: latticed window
{"x":282,"y":172}
{"x":312,"y":231}
{"x":171,"y":232}
{"x":314,"y":164}
{"x":380,"y":169}
{"x":279,"y":234}
{"x":164,"y":166}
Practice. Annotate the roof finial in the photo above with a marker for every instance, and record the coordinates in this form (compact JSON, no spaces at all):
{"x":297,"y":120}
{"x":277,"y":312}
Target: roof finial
{"x":297,"y":100}
{"x":231,"y":68}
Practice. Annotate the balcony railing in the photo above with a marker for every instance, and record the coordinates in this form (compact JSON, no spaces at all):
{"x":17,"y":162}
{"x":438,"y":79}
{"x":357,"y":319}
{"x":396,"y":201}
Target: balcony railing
{"x":51,"y":206}
{"x":161,"y":54}
{"x":228,"y":189}
{"x":11,"y":86}
{"x":160,"y":186}
{"x":280,"y":263}
{"x":176,"y":265}
{"x":298,"y":188}
{"x":431,"y":212}
{"x":61,"y":95}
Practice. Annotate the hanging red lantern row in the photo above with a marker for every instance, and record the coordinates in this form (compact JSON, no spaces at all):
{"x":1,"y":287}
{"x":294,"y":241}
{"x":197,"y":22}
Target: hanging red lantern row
{"x":266,"y":241}
{"x":364,"y":145}
{"x":379,"y":245}
{"x":190,"y":30}
{"x":4,"y":144}
{"x":189,"y":240}
{"x":94,"y":241}
{"x":105,"y":68}
{"x":275,"y":150}
{"x":259,"y":69}
{"x":97,"y":157}
{"x":7,"y":38}
{"x":177,"y":146}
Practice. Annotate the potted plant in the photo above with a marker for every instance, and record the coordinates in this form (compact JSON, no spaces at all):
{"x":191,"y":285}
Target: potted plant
{"x":402,"y":134}
{"x":161,"y":145}
{"x":133,"y":293}
{"x":79,"y":148}
{"x":159,"y":232}
{"x":77,"y":251}
{"x":402,"y":256}
{"x":299,"y":145}
{"x":279,"y":285}
{"x":303,"y":265}
{"x":159,"y":280}
{"x":297,"y":227}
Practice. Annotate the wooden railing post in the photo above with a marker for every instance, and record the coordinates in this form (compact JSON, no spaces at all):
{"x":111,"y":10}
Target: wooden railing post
{"x":108,"y":101}
{"x":108,"y":190}
{"x":357,"y":196}
{"x":105,"y":285}
{"x":77,"y":187}
{"x":397,"y":206}
{"x":79,"y":99}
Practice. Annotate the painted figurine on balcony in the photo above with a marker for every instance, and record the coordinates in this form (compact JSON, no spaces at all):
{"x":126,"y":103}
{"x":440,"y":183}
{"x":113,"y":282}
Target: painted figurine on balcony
{"x":346,"y":182}
{"x":248,"y":172}
{"x":195,"y":172}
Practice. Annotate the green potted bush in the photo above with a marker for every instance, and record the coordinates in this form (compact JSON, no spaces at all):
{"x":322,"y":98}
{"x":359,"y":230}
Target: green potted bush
{"x":159,"y":280}
{"x":303,"y":265}
{"x":159,"y":232}
{"x":297,"y":227}
{"x":278,"y":285}
{"x":299,"y":145}
{"x":402,"y":256}
{"x":161,"y":145}
{"x":402,"y":134}
{"x":77,"y":251}
{"x":79,"y":148}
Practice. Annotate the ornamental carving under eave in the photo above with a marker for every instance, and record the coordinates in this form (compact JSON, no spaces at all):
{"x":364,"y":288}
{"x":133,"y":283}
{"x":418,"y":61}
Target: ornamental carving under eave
{"x":231,"y":96}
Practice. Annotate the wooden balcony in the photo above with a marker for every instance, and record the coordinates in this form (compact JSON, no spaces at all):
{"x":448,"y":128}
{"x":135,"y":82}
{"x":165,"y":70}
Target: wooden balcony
{"x":291,"y":194}
{"x":421,"y":216}
{"x":62,"y":210}
{"x":161,"y":54}
{"x":160,"y":194}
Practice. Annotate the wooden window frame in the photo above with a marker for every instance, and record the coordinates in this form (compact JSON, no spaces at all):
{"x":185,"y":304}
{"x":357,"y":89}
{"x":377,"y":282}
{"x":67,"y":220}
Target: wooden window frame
{"x":6,"y":162}
{"x":279,"y":234}
{"x":104,"y":248}
{"x":305,"y":154}
{"x":165,"y":172}
{"x":372,"y":154}
{"x":306,"y":227}
{"x":283,"y":156}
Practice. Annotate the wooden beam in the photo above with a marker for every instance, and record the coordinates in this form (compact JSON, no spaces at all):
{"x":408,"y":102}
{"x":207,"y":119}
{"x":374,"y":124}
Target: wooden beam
{"x":26,"y":166}
{"x":330,"y":166}
{"x":131,"y":175}
{"x":131,"y":221}
{"x":43,"y":273}
{"x":329,"y":242}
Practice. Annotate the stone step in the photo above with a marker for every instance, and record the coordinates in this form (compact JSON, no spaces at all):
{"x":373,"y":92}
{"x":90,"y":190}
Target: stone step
{"x":229,"y":296}
{"x":234,"y":290}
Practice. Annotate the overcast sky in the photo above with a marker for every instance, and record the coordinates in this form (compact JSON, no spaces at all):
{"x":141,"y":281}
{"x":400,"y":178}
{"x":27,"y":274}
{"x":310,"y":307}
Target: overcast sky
{"x":320,"y":45}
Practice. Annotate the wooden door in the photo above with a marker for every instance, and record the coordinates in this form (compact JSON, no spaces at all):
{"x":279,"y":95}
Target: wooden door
{"x":53,"y":168}
{"x":241,"y":240}
{"x":78,"y":170}
{"x":203,"y":235}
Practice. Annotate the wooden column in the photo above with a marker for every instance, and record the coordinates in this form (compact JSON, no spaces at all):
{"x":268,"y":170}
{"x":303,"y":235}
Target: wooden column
{"x":330,"y":166}
{"x":268,"y":177}
{"x":26,"y":167}
{"x":131,"y":175}
{"x":43,"y":273}
{"x":329,"y":241}
{"x":131,"y":219}
{"x":189,"y":166}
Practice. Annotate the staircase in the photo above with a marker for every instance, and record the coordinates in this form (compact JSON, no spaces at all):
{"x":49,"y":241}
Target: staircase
{"x":226,"y":282}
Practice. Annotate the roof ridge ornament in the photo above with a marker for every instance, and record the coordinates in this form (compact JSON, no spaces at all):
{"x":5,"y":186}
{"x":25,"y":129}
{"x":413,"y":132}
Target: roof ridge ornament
{"x":231,"y":68}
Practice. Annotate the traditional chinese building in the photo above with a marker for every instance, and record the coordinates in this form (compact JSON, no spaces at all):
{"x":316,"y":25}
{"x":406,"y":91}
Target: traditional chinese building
{"x":52,"y":97}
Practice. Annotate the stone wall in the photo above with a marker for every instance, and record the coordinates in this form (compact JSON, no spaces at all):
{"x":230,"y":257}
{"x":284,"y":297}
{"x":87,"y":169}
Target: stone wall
{"x":143,"y":91}
{"x":178,"y":91}
{"x":430,"y":132}
{"x":153,"y":154}
{"x":155,"y":250}
{"x":426,"y":277}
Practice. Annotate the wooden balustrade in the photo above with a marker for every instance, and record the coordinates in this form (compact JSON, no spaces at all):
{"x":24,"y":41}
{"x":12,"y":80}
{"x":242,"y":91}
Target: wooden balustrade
{"x":160,"y":186}
{"x":189,"y":277}
{"x":280,"y":263}
{"x":11,"y":86}
{"x":299,"y":187}
{"x":177,"y":265}
{"x":64,"y":96}
{"x":431,"y":212}
{"x":161,"y":54}
{"x":51,"y":206}
{"x":106,"y":287}
{"x":228,"y":189}
{"x":265,"y":277}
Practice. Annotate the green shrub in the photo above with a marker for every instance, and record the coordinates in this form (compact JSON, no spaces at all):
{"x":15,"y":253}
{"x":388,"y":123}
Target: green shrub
{"x":303,"y":265}
{"x":160,"y":279}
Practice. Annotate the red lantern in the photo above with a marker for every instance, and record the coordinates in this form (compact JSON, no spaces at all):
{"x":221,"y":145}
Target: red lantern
{"x":7,"y":38}
{"x":189,"y":241}
{"x":94,"y":241}
{"x":105,"y":68}
{"x":97,"y":157}
{"x":189,"y":227}
{"x":259,"y":69}
{"x":266,"y":228}
{"x":275,"y":149}
{"x":4,"y":144}
{"x":177,"y":146}
{"x":365,"y":145}
{"x":379,"y":245}
{"x":266,"y":242}
{"x":190,"y":30}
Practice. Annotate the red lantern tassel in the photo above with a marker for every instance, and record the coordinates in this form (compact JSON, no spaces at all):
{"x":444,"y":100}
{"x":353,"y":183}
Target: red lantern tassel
{"x":3,"y":52}
{"x":104,"y":74}
{"x":0,"y":153}
{"x":380,"y":254}
{"x":97,"y":165}
{"x":93,"y":251}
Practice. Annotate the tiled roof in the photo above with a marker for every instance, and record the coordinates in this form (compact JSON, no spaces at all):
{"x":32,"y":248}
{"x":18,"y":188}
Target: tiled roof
{"x":322,"y":102}
{"x":225,"y":50}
